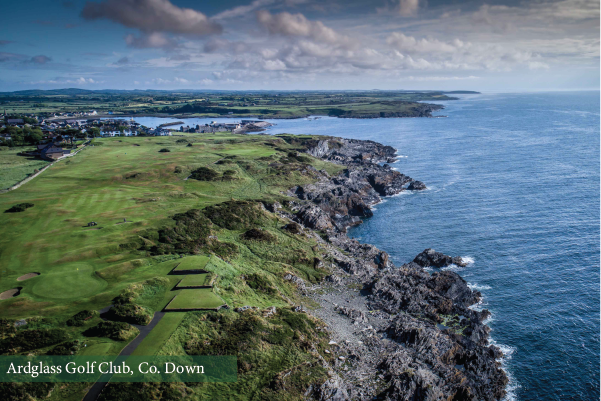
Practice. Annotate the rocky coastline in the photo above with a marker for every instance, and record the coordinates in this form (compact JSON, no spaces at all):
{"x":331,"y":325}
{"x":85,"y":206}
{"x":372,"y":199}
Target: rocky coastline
{"x":398,"y":333}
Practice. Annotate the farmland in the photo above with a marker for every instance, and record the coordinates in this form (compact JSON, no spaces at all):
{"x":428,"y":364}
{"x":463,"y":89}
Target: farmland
{"x":264,"y":104}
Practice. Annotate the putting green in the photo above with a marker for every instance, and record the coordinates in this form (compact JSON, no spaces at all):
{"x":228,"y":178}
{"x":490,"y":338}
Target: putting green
{"x":201,"y":298}
{"x":195,"y":280}
{"x":192,"y":263}
{"x":74,"y":281}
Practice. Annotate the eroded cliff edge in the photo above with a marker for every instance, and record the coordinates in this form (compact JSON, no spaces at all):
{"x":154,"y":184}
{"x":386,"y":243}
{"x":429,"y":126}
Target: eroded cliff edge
{"x":398,"y":333}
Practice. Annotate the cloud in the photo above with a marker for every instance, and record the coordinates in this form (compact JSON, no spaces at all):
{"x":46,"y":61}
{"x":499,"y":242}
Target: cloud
{"x":5,"y":57}
{"x":5,"y":42}
{"x":122,"y":61}
{"x":41,"y":59}
{"x":62,"y":81}
{"x":409,"y":44}
{"x":148,"y":41}
{"x":69,"y":26}
{"x":404,"y":8}
{"x":152,"y":16}
{"x":297,"y":25}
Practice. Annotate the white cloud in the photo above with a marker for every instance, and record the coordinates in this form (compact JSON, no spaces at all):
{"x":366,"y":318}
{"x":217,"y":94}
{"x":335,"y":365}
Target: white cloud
{"x":152,"y":16}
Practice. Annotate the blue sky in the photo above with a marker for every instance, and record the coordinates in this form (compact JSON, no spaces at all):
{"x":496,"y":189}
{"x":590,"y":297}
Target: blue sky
{"x":301,"y":44}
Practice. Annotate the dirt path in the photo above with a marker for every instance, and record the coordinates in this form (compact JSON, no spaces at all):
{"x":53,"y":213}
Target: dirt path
{"x":97,"y":388}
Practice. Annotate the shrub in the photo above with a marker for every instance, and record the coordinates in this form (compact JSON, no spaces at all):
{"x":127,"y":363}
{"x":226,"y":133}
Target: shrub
{"x":19,"y":208}
{"x":119,"y":331}
{"x":293,"y":227}
{"x":260,"y":283}
{"x":68,"y":348}
{"x":164,"y":150}
{"x":204,"y":174}
{"x":236,"y":215}
{"x":79,"y":319}
{"x":27,"y":340}
{"x":229,"y":172}
{"x":130,"y":313}
{"x":255,"y":234}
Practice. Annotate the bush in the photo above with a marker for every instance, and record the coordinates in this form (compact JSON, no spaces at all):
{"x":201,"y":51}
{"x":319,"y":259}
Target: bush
{"x":27,"y":340}
{"x":255,"y":234}
{"x":236,"y":215}
{"x":68,"y":348}
{"x":19,"y":208}
{"x":229,"y":172}
{"x":164,"y":150}
{"x":293,"y":227}
{"x":118,"y":331}
{"x":131,"y":313}
{"x":204,"y":174}
{"x":79,"y":319}
{"x":260,"y":283}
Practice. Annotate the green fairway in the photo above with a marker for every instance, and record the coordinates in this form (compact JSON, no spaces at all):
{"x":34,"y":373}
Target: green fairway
{"x":201,"y":298}
{"x":74,"y":281}
{"x":96,"y":349}
{"x":192,"y":263}
{"x":195,"y":280}
{"x":160,"y":334}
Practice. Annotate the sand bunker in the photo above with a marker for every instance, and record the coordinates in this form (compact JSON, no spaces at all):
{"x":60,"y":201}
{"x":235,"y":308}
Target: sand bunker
{"x":28,"y":275}
{"x":10,"y":293}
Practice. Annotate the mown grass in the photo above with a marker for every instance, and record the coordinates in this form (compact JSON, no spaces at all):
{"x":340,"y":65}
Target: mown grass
{"x":197,"y":298}
{"x":195,"y":280}
{"x":128,"y":263}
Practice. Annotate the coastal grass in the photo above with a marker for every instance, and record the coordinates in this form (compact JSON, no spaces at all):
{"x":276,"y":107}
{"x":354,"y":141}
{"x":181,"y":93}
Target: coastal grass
{"x":198,"y":298}
{"x":14,"y":168}
{"x":157,"y":338}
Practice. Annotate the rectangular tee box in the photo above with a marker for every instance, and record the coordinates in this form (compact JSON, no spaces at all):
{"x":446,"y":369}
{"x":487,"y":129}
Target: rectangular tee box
{"x":195,"y":299}
{"x":191,"y":265}
{"x":196,"y":280}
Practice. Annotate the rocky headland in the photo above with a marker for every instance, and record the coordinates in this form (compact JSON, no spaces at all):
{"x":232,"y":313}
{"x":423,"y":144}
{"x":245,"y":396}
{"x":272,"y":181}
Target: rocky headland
{"x":398,"y":333}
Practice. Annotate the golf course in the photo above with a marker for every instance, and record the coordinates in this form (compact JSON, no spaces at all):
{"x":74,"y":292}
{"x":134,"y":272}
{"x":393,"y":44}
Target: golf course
{"x":170,"y":236}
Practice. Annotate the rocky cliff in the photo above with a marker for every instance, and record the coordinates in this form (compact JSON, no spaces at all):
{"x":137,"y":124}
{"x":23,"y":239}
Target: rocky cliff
{"x":399,"y":333}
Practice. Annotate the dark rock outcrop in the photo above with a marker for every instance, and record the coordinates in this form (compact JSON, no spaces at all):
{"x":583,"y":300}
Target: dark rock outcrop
{"x":418,"y":328}
{"x":417,"y":186}
{"x":431,"y":258}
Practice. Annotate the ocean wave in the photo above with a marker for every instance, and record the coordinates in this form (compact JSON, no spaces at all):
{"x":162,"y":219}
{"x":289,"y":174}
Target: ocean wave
{"x":468,"y":259}
{"x":479,"y":287}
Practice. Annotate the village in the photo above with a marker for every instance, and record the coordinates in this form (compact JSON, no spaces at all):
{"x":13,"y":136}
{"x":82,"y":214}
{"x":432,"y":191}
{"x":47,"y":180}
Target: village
{"x":55,"y":137}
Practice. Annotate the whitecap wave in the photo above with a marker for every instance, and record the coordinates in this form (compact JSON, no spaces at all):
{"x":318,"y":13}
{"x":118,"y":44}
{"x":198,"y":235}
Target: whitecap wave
{"x":479,"y":287}
{"x":468,"y":259}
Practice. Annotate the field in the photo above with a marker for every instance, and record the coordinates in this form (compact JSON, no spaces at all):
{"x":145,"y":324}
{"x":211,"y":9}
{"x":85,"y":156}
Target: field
{"x":130,"y":263}
{"x":14,"y":168}
{"x":195,"y":280}
{"x":192,"y":263}
{"x":200,"y":298}
{"x":214,"y":104}
{"x":85,"y":267}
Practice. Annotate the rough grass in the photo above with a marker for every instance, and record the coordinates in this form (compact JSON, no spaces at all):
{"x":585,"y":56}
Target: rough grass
{"x":15,"y":168}
{"x":195,"y":280}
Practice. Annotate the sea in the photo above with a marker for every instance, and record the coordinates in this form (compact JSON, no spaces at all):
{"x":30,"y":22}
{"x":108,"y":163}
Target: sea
{"x":513,"y":187}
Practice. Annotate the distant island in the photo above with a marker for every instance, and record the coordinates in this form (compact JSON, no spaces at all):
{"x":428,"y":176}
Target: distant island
{"x":74,"y":102}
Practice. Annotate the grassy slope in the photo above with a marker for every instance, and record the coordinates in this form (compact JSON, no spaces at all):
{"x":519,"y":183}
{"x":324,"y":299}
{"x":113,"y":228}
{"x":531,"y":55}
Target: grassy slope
{"x":83,"y":268}
{"x":14,"y":168}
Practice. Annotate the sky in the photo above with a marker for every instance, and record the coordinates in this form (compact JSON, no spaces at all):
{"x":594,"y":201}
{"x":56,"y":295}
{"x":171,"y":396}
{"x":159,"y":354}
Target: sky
{"x":493,"y":46}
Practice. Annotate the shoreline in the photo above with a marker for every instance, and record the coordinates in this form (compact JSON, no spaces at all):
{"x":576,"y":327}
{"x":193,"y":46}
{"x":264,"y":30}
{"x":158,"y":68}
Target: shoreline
{"x":408,"y":330}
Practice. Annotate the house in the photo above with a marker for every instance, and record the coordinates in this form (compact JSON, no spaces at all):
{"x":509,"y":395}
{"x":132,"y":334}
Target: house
{"x":50,"y":151}
{"x":14,"y":121}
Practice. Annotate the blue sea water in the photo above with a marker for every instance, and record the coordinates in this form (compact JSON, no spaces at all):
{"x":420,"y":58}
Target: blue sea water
{"x":513,"y":184}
